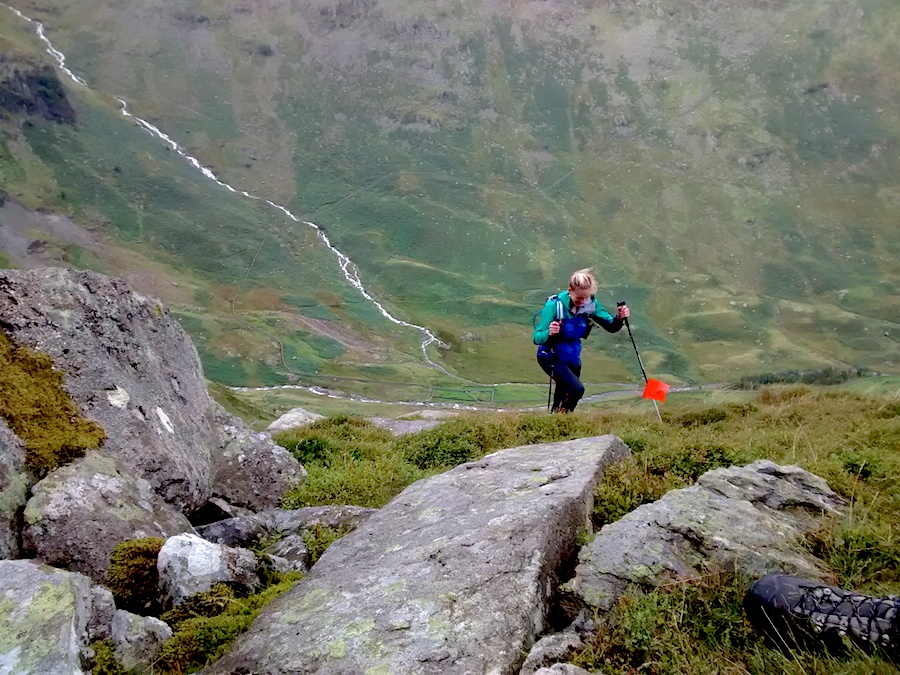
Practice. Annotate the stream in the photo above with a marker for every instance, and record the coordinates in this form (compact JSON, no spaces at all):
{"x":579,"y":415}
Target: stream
{"x":349,"y":269}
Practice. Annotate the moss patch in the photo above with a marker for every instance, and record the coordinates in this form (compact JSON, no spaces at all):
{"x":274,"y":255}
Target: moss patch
{"x":105,"y":662}
{"x":39,"y":410}
{"x":205,"y":625}
{"x":133,"y":577}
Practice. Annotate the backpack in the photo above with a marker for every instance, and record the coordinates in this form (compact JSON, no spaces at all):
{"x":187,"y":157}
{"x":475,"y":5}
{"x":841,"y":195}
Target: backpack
{"x":571,"y":329}
{"x":567,"y":346}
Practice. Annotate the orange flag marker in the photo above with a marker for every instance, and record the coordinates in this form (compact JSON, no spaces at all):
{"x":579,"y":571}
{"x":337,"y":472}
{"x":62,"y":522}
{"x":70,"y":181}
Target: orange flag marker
{"x":656,"y":390}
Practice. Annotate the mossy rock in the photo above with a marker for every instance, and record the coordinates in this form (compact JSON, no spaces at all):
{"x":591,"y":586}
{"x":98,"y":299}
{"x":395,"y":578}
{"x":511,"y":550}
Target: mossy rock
{"x":37,"y":408}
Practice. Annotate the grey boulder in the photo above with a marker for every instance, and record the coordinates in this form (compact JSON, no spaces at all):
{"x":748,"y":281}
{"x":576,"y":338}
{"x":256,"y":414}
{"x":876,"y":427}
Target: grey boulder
{"x":562,"y":669}
{"x":250,"y":470}
{"x":44,"y":617}
{"x":749,"y":519}
{"x":454,"y":575}
{"x":103,"y":610}
{"x":128,"y":365}
{"x":137,"y":640}
{"x":247,"y":531}
{"x":404,"y":427}
{"x":14,"y":484}
{"x":296,"y":417}
{"x":189,"y":565}
{"x":78,"y":513}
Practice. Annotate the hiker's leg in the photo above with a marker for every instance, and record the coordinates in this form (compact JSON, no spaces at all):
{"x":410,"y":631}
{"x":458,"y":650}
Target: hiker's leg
{"x":558,"y":396}
{"x":547,"y":363}
{"x":575,"y":389}
{"x":568,"y":386}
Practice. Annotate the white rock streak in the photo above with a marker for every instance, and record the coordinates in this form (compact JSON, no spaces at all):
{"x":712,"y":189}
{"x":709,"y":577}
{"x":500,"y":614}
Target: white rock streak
{"x":164,"y":419}
{"x":349,"y":269}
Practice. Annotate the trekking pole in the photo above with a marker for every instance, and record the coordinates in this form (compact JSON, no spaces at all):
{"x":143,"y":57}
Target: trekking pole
{"x":638,"y":354}
{"x":559,"y":318}
{"x":549,"y":387}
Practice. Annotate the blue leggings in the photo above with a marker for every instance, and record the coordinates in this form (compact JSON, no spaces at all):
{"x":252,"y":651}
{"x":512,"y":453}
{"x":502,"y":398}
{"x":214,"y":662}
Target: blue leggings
{"x":569,"y":389}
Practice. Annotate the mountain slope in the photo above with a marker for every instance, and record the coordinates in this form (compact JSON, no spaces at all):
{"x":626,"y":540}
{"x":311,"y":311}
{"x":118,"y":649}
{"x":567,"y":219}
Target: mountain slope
{"x":729,"y":168}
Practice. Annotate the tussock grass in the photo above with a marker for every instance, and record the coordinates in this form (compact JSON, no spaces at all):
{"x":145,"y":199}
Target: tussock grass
{"x":133,"y":577}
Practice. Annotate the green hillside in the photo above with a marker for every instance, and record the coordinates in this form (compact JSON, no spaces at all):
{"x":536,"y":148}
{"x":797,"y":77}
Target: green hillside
{"x":728,"y":168}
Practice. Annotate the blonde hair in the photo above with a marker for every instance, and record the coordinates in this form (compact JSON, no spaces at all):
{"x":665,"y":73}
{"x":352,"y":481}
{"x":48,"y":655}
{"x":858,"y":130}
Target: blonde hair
{"x":583,"y":280}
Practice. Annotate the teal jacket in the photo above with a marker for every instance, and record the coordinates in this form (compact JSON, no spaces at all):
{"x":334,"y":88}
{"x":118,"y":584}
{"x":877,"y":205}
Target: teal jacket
{"x":567,"y":344}
{"x":548,"y":315}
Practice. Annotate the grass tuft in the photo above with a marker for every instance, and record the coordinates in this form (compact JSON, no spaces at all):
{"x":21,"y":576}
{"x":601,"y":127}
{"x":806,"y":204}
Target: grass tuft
{"x":699,"y":627}
{"x":320,"y":538}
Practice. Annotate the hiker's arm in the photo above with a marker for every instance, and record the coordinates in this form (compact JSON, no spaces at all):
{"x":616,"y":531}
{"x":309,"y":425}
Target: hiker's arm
{"x":542,"y":332}
{"x":607,"y":321}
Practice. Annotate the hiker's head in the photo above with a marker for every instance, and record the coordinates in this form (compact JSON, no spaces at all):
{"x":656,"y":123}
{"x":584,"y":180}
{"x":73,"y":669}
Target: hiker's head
{"x":582,"y":286}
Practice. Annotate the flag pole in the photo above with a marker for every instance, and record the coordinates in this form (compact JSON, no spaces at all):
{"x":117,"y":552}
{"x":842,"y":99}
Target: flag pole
{"x":640,"y":363}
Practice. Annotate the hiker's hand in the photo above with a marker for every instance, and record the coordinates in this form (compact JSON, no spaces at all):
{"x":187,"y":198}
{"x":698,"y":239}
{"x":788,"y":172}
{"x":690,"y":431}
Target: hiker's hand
{"x":554,"y":327}
{"x":624,"y":312}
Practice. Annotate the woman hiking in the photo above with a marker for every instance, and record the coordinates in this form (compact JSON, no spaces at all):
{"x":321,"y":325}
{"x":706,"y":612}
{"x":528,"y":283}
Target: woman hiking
{"x":565,"y":320}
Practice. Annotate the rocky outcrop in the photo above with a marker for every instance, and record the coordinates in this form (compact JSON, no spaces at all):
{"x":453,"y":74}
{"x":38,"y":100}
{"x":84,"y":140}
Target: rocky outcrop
{"x":285,"y":528}
{"x":749,"y":519}
{"x":137,"y":639}
{"x":129,"y":366}
{"x":14,"y":484}
{"x":403,"y":427}
{"x":103,"y":610}
{"x":562,"y":669}
{"x":78,"y":513}
{"x":454,"y":575}
{"x":421,"y":420}
{"x":251,"y":471}
{"x":36,"y":91}
{"x":189,"y":565}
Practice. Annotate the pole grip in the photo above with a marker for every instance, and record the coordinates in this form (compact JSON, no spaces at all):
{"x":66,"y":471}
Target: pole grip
{"x":621,"y":303}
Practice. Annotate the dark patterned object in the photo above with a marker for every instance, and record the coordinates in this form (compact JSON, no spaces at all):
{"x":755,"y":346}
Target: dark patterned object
{"x":795,"y":612}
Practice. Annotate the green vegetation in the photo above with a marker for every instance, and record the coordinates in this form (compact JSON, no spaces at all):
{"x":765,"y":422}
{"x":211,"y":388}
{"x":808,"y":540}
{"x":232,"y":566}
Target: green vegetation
{"x":206,"y":624}
{"x":105,"y":662}
{"x":203,"y":626}
{"x":133,"y":577}
{"x":352,"y":461}
{"x":320,"y":538}
{"x":824,"y":376}
{"x":349,"y":461}
{"x":848,"y":438}
{"x":37,"y":408}
{"x":700,"y":627}
{"x":744,"y":242}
